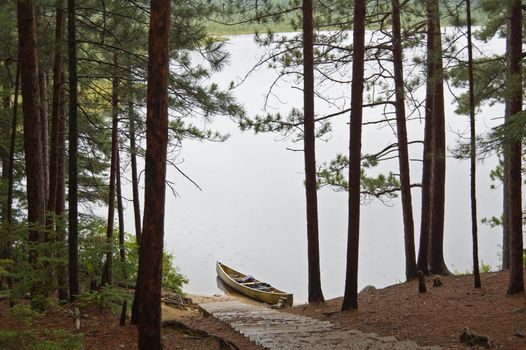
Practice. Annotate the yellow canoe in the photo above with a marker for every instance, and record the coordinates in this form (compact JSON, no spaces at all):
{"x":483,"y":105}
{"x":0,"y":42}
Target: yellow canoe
{"x":252,"y":287}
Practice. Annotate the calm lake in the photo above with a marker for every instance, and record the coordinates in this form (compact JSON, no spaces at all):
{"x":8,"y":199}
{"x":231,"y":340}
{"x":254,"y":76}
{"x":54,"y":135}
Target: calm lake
{"x":251,"y":211}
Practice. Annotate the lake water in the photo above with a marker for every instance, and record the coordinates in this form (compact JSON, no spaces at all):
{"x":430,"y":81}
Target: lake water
{"x":251,"y":212}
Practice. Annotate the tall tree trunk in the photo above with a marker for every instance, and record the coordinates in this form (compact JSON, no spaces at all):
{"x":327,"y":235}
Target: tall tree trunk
{"x":135,"y":178}
{"x":514,"y":85}
{"x":473,"y":152}
{"x":403,"y":152}
{"x":32,"y":123}
{"x":107,"y":275}
{"x":122,"y":248}
{"x":350,"y":298}
{"x":136,"y":206}
{"x":427,"y":194}
{"x":60,"y":204}
{"x":309,"y":139}
{"x":42,"y":90}
{"x":120,"y":210}
{"x":4,"y":159}
{"x":437,"y":263}
{"x":12,"y":146}
{"x":150,"y":259}
{"x":57,"y":119}
{"x":72,"y":156}
{"x":505,"y":181}
{"x":43,"y":108}
{"x":10,"y":179}
{"x":4,"y":153}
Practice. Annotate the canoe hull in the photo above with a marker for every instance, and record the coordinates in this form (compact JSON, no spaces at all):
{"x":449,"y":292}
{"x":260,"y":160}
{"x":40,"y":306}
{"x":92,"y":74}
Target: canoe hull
{"x":229,"y":276}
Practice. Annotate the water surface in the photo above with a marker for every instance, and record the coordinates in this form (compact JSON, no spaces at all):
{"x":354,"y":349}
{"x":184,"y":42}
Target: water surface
{"x":251,"y":212}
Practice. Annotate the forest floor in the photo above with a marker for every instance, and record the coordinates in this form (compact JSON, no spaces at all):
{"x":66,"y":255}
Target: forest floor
{"x":437,"y":317}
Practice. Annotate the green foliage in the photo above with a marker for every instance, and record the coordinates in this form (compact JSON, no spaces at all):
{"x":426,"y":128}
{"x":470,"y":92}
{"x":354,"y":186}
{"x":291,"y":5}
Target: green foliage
{"x":334,"y":175}
{"x":30,"y":340}
{"x":484,"y":268}
{"x":92,"y":251}
{"x":172,"y":279}
{"x":106,"y":297}
{"x":33,"y":278}
{"x":23,"y":313}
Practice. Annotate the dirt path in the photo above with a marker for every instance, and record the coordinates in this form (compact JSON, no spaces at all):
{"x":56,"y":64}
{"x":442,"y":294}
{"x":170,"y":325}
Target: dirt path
{"x":274,"y":330}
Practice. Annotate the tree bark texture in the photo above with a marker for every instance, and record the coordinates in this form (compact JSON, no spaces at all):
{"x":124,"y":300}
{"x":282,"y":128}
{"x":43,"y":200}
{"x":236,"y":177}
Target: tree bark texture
{"x":350,"y":298}
{"x":425,"y":221}
{"x":431,"y":254}
{"x":403,"y":152}
{"x":136,"y":207}
{"x":473,"y":152}
{"x":6,"y":254}
{"x":55,"y":116}
{"x":72,"y":155}
{"x":514,"y":85}
{"x":505,"y":181}
{"x":60,"y":204}
{"x":107,"y":275}
{"x":150,"y":259}
{"x":309,"y":139}
{"x":32,"y":123}
{"x":436,"y":75}
{"x":42,"y":90}
{"x":135,"y":178}
{"x":120,"y":209}
{"x":505,"y":208}
{"x":55,"y":204}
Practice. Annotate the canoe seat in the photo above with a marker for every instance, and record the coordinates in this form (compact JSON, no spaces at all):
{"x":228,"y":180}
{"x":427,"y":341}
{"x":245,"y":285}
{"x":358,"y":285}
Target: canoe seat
{"x":245,"y":279}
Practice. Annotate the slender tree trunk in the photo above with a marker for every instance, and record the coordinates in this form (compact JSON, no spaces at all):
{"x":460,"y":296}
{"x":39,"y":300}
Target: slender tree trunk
{"x":514,"y":84}
{"x":10,"y":179}
{"x":5,"y":235}
{"x":120,"y":209}
{"x":4,"y":153}
{"x":60,"y":204}
{"x":73,"y":153}
{"x":12,"y":146}
{"x":122,"y":249}
{"x":32,"y":123}
{"x":135,"y":178}
{"x":150,"y":259}
{"x":309,"y":139}
{"x":43,"y":108}
{"x":4,"y":159}
{"x":473,"y":152}
{"x":136,"y":207}
{"x":42,"y":89}
{"x":56,"y":120}
{"x":350,"y":298}
{"x":403,"y":152}
{"x":107,"y":275}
